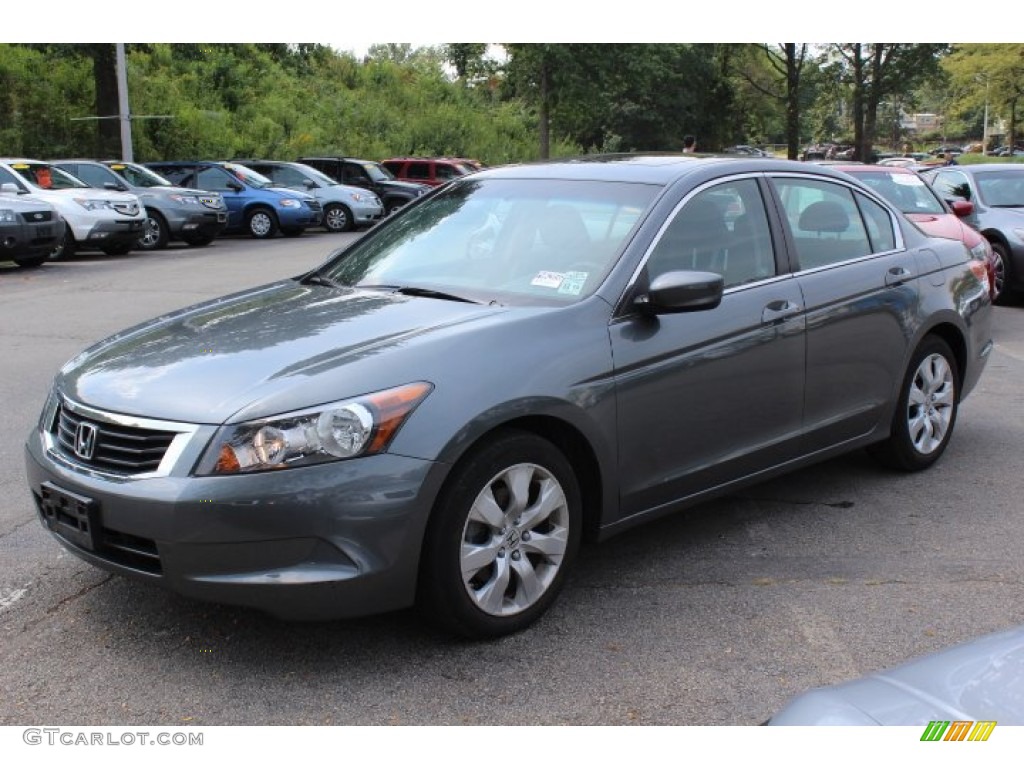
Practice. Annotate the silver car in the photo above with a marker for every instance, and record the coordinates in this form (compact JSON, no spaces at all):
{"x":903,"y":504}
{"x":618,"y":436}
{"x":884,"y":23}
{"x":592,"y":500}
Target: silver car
{"x":525,"y":359}
{"x":172,"y":213}
{"x":345,"y":207}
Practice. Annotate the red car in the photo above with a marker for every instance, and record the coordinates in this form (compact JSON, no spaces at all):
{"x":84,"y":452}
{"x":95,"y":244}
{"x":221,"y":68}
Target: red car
{"x":911,"y":194}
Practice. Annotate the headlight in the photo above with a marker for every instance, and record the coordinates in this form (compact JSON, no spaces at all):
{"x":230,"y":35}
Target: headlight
{"x":7,"y":215}
{"x":980,"y":251}
{"x":93,"y":205}
{"x":361,"y":426}
{"x":184,"y":199}
{"x":288,"y":202}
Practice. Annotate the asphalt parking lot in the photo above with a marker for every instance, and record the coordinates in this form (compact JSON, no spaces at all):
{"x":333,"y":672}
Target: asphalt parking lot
{"x":716,"y":616}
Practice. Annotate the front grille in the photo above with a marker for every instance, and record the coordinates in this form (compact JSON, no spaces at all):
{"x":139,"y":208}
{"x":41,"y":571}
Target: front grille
{"x":211,"y":202}
{"x":115,"y":448}
{"x":315,"y":205}
{"x":131,"y":551}
{"x":36,"y":216}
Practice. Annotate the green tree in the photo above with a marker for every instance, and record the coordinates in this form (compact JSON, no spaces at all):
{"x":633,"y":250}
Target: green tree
{"x":875,"y":71}
{"x":992,"y":71}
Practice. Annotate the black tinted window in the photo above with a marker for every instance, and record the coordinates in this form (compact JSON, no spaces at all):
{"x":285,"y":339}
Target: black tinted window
{"x":722,"y":229}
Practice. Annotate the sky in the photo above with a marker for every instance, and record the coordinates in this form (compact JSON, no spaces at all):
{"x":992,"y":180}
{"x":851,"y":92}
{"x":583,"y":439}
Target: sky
{"x":525,"y":21}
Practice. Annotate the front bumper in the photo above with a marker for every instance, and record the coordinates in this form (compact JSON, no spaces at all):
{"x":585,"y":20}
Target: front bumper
{"x":29,"y":239}
{"x":364,"y":215}
{"x":322,"y":542}
{"x":191,"y":222}
{"x":113,"y":232}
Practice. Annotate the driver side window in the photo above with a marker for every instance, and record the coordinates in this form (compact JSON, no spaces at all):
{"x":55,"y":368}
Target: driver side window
{"x":722,"y":229}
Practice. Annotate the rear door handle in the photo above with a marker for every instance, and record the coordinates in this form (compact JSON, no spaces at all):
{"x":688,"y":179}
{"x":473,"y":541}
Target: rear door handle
{"x":779,"y":310}
{"x":897,"y":276}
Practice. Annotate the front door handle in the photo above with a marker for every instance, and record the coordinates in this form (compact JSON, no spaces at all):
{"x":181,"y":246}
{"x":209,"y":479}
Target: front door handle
{"x":779,"y":310}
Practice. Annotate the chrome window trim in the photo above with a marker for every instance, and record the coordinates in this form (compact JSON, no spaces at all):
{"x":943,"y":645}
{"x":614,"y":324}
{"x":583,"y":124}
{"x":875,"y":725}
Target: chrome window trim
{"x":184,"y":434}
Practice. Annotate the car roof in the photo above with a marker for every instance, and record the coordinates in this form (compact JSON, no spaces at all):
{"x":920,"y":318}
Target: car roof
{"x":874,"y":169}
{"x":651,"y":168}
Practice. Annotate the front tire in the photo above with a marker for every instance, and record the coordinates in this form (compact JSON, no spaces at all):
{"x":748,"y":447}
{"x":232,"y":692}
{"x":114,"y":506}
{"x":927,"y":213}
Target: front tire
{"x":30,"y":262}
{"x":338,"y":218}
{"x":926,"y":412}
{"x":261,"y":223}
{"x":502,"y":539}
{"x":1001,"y":268}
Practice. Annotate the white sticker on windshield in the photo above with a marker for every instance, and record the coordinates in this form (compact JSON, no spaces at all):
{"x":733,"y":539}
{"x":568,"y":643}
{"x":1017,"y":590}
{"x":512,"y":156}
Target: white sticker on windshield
{"x":573,"y":282}
{"x":906,"y":179}
{"x":547,"y":279}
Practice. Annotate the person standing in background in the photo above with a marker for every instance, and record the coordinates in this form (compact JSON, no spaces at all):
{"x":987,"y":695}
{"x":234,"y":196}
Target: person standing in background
{"x":689,"y":144}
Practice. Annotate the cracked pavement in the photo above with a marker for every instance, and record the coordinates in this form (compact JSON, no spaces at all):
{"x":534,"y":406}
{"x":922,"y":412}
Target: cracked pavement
{"x":716,"y":616}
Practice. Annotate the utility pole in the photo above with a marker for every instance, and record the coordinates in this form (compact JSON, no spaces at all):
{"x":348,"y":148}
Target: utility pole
{"x":124,"y":113}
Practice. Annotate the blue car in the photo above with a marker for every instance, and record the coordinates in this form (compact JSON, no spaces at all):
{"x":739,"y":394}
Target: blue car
{"x":254,"y":204}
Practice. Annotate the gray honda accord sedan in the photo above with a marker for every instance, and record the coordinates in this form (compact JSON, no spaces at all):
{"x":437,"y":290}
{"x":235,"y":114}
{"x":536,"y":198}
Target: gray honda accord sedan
{"x":523,"y":360}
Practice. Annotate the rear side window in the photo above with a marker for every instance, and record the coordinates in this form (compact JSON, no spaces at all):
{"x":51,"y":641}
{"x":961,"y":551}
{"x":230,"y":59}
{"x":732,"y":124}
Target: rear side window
{"x":213,"y":179}
{"x":826,"y":222}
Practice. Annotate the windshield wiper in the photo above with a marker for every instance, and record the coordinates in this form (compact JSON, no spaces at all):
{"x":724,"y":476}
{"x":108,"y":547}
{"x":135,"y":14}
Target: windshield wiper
{"x":318,"y":279}
{"x":412,"y":290}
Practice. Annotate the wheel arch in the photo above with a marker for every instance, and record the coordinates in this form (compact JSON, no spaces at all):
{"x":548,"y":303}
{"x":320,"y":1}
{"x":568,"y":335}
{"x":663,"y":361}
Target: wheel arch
{"x":954,"y":337}
{"x":573,"y":444}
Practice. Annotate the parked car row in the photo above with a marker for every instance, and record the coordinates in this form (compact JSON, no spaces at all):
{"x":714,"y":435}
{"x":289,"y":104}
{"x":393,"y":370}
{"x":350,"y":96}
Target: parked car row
{"x":69,"y":204}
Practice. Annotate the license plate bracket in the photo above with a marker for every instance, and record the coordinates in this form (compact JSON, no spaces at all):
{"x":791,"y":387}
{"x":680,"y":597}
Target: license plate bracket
{"x":71,"y":515}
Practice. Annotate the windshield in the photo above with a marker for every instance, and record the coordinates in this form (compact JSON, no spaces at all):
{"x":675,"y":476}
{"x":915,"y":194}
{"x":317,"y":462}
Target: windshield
{"x":523,"y":241}
{"x":138,"y":176}
{"x":46,"y":176}
{"x":1003,"y":189}
{"x":248,"y":175}
{"x":322,"y":178}
{"x":907,"y":191}
{"x":378,"y":172}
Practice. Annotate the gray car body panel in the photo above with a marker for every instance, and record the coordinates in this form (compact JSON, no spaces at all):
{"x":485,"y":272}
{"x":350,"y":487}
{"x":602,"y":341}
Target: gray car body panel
{"x":592,"y":374}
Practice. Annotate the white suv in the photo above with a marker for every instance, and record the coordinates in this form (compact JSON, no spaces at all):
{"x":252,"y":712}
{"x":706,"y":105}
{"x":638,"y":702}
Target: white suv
{"x":108,"y":221}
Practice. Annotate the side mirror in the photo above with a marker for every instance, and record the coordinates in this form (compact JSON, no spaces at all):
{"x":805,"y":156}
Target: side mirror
{"x":674,"y":292}
{"x":236,"y":186}
{"x":962,"y":208}
{"x":117,"y":187}
{"x":8,"y":188}
{"x":310,"y":184}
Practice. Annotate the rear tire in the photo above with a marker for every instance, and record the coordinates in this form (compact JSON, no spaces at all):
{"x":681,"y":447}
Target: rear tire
{"x":154,"y":235}
{"x":66,"y":250}
{"x":926,"y":411}
{"x":502,"y":538}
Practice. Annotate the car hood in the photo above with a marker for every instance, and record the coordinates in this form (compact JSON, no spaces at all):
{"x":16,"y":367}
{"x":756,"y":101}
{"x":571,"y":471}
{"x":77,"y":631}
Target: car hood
{"x":412,"y":186}
{"x":980,"y":680}
{"x":265,"y":351}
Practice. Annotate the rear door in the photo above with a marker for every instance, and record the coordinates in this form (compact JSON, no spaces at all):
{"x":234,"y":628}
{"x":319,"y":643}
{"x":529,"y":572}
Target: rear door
{"x":859,"y":286}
